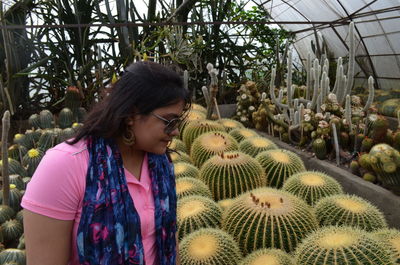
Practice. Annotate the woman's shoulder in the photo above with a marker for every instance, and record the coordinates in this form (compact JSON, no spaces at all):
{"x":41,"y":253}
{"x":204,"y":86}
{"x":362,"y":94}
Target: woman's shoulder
{"x":71,"y":149}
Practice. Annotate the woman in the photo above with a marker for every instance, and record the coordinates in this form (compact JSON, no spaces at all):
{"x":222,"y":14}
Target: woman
{"x":108,"y":196}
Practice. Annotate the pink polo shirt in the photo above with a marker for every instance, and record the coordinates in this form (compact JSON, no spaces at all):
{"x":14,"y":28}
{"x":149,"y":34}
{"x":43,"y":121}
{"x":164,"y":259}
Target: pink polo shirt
{"x":58,"y":186}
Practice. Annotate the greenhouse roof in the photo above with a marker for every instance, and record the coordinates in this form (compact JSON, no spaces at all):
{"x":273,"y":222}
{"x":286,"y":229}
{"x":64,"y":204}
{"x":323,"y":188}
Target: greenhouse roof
{"x":377,"y":29}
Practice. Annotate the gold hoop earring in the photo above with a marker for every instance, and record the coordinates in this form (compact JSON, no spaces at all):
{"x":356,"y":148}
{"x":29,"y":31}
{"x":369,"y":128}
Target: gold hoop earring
{"x":128,"y":137}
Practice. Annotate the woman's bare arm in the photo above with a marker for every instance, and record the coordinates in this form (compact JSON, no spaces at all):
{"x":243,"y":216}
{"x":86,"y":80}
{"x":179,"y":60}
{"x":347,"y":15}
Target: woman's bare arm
{"x":47,"y":240}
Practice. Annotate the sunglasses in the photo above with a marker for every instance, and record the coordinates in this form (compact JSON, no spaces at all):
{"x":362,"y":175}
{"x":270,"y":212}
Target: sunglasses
{"x":170,"y":125}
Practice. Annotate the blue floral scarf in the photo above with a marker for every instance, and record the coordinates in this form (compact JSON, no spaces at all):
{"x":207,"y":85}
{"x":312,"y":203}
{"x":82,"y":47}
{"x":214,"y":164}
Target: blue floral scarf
{"x":109,"y":229}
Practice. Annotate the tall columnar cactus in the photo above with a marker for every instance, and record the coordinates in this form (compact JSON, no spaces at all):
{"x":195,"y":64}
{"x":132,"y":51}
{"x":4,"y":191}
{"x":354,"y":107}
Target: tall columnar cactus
{"x":391,"y":239}
{"x":347,"y":112}
{"x":342,"y":245}
{"x":371,"y":93}
{"x":209,"y":246}
{"x":210,"y":144}
{"x":350,"y":210}
{"x":255,"y":145}
{"x":279,"y":165}
{"x":196,"y":128}
{"x":268,"y":256}
{"x":182,"y":169}
{"x":190,"y":186}
{"x":232,"y":173}
{"x":269,"y":218}
{"x":311,"y":186}
{"x":195,"y":212}
{"x":242,"y":134}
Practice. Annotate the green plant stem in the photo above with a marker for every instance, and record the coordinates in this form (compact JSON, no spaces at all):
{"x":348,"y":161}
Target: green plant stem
{"x":4,"y":155}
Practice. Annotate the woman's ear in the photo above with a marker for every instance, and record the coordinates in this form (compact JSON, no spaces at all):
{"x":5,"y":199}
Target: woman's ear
{"x":129,"y":121}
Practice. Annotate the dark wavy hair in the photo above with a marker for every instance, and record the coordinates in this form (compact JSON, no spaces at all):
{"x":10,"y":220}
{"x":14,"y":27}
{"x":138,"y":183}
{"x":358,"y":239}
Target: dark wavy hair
{"x":143,"y":87}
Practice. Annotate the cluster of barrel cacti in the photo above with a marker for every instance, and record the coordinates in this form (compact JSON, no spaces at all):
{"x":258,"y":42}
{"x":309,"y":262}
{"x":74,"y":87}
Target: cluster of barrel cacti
{"x":24,"y":155}
{"x":242,"y":200}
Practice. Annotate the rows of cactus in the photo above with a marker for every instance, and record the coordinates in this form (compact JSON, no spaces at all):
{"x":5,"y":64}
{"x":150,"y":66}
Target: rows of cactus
{"x":230,"y":212}
{"x":46,"y":130}
{"x":28,"y":148}
{"x":326,"y":119}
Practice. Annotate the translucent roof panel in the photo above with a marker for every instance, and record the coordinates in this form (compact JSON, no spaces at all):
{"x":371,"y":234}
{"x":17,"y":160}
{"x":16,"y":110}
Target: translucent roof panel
{"x":377,"y":30}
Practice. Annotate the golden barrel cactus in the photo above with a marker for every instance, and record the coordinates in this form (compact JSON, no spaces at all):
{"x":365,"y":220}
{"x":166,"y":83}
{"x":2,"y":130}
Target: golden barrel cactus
{"x":311,"y":186}
{"x":210,"y":144}
{"x":279,"y":165}
{"x":230,"y":124}
{"x":269,"y":218}
{"x":198,"y":127}
{"x":349,"y":210}
{"x":190,"y":186}
{"x":209,"y":246}
{"x":195,"y":212}
{"x":241,"y":134}
{"x":268,"y":256}
{"x":231,"y":174}
{"x":391,"y":239}
{"x":183,"y":169}
{"x":255,"y":145}
{"x":342,"y":245}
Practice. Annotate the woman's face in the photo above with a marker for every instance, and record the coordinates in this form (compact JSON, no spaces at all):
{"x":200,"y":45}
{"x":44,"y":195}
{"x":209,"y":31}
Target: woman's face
{"x":150,"y":130}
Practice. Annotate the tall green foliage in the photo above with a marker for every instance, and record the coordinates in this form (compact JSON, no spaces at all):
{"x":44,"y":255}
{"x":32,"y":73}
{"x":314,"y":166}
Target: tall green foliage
{"x":88,"y":56}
